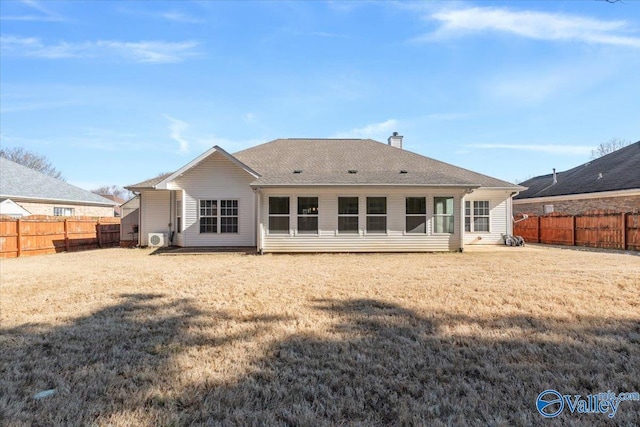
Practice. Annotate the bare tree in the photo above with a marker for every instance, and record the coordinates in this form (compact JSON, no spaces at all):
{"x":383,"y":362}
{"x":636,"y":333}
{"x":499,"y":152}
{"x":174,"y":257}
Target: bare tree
{"x":113,"y":190}
{"x":31,"y":160}
{"x":608,"y":147}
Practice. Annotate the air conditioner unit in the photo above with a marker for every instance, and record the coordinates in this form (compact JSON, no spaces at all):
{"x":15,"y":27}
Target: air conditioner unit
{"x":157,"y":240}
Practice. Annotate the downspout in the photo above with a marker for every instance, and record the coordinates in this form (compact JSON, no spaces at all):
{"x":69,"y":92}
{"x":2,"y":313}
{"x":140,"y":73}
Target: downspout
{"x":258,"y":220}
{"x":140,"y":220}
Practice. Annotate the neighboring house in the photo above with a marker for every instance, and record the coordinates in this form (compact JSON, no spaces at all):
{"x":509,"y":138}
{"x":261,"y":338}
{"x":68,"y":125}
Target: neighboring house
{"x":611,"y":182}
{"x":129,"y":222}
{"x":9,"y":208}
{"x":42,"y":194}
{"x":325,"y":195}
{"x":119,"y":202}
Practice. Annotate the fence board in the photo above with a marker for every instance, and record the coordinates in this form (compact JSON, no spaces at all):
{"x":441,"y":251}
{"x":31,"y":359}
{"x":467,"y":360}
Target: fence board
{"x":609,"y":230}
{"x":36,"y":235}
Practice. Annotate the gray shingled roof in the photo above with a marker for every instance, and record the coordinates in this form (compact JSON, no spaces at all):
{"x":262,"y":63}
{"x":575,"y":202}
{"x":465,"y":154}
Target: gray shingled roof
{"x":619,"y":170}
{"x":149,"y":183}
{"x":328,"y":161}
{"x":20,"y":182}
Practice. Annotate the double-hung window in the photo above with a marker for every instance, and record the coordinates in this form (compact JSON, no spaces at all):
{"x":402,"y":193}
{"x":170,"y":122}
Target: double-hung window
{"x":208,"y":216}
{"x":416,"y":215}
{"x":376,"y":214}
{"x":476,"y":219}
{"x":348,"y":215}
{"x":443,"y":215}
{"x":228,"y":216}
{"x":57,"y":211}
{"x":179,"y":216}
{"x":308,"y":215}
{"x":278,"y":215}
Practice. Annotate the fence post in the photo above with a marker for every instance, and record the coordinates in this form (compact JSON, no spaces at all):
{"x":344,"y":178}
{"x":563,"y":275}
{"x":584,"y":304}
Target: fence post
{"x":66,"y":234}
{"x":538,"y":230}
{"x":99,"y":233}
{"x":19,"y":237}
{"x":624,"y":230}
{"x":573,"y":230}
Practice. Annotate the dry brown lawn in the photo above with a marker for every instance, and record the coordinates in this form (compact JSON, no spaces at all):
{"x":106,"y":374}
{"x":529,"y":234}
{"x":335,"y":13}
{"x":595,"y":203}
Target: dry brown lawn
{"x":130,"y":338}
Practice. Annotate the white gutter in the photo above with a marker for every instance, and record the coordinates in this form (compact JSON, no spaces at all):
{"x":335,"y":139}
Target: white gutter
{"x":568,"y":197}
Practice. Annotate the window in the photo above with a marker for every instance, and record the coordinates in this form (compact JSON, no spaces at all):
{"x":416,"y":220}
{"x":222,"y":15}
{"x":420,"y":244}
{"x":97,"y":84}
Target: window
{"x":416,"y":215}
{"x":208,"y":216}
{"x":308,"y":215}
{"x":62,"y":211}
{"x":278,"y":215}
{"x":376,"y":214}
{"x":547,"y":209}
{"x":477,"y":219}
{"x":228,"y":216}
{"x":348,"y":215}
{"x":179,"y":215}
{"x":443,"y":215}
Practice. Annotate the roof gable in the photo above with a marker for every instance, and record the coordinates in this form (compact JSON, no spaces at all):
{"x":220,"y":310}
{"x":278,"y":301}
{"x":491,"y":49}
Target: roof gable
{"x":161,"y":182}
{"x":619,"y":170}
{"x":21,"y":182}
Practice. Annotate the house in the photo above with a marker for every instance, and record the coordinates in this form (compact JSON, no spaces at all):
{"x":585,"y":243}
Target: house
{"x":41,"y":194}
{"x":611,"y":182}
{"x":118,"y":200}
{"x":129,"y":222}
{"x":10,"y":208}
{"x":325,"y":195}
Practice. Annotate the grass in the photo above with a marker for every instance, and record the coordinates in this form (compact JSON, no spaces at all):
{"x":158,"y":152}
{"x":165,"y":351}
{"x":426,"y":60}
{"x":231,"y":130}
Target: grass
{"x":127,"y":338}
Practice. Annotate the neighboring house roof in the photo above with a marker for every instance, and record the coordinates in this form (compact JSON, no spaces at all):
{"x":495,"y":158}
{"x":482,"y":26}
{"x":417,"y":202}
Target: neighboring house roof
{"x":305,"y":162}
{"x":22,"y":183}
{"x":10,"y":208}
{"x":114,"y":198}
{"x":619,"y":170}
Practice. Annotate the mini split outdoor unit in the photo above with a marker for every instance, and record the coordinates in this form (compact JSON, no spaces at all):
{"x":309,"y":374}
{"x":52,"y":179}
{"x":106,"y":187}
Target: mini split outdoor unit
{"x":157,"y":240}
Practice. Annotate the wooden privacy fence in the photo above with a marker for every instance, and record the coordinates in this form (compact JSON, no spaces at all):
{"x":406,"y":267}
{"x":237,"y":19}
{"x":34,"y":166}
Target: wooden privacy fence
{"x":37,"y":235}
{"x":597,"y":230}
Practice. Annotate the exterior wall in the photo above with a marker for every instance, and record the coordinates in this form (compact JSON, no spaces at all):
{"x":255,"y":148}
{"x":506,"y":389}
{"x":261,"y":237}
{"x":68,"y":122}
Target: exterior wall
{"x":579,"y":205}
{"x":329,"y":240}
{"x":216,"y":178}
{"x":154,"y":214}
{"x":500,"y":217}
{"x":78,"y":210}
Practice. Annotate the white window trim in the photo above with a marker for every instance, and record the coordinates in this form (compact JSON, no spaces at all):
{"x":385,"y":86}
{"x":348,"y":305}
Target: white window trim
{"x":368,"y":215}
{"x":297,"y":232}
{"x":218,"y":216}
{"x":425,"y":215}
{"x":472,"y":216}
{"x":200,"y":216}
{"x":357,"y":215}
{"x":269,"y":215}
{"x":437,"y":215}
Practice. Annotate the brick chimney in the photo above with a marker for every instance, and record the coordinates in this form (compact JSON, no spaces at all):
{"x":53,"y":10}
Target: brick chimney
{"x":395,"y":140}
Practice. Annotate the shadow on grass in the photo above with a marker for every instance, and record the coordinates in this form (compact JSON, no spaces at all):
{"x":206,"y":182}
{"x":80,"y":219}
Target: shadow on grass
{"x":378,"y":364}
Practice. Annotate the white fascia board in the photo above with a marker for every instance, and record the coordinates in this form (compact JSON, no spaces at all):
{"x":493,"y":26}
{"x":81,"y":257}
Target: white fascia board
{"x":579,"y":196}
{"x":163,"y":185}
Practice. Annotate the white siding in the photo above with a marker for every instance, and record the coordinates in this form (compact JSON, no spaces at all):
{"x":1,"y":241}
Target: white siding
{"x":329,"y":240}
{"x":155,"y":214}
{"x":216,"y":178}
{"x":499,"y":217}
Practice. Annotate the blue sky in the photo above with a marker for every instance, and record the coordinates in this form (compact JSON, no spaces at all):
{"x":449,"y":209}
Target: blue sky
{"x":117,"y":92}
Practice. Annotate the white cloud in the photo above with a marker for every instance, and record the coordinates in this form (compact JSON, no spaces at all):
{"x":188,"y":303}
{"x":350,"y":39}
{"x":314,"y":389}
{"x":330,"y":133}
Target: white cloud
{"x":176,"y":128}
{"x":143,"y":51}
{"x":542,"y":148}
{"x":534,"y":25}
{"x":176,"y":16}
{"x":42,"y":14}
{"x":374,"y":130}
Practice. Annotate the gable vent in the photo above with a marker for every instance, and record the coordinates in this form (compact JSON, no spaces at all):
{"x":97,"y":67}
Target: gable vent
{"x":297,"y":171}
{"x":353,"y":171}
